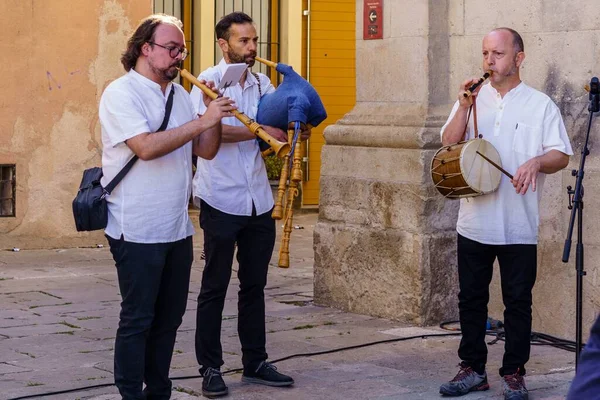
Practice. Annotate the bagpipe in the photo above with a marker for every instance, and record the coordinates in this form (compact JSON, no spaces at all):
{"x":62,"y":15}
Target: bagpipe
{"x":293,"y":107}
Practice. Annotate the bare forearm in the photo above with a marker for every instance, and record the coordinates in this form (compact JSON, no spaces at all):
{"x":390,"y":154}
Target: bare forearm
{"x":234,"y":134}
{"x":553,"y":161}
{"x":148,"y":146}
{"x":455,"y":130}
{"x":207,"y":144}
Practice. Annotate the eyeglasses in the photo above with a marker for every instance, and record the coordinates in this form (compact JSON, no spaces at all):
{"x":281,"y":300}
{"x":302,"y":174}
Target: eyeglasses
{"x":174,"y":51}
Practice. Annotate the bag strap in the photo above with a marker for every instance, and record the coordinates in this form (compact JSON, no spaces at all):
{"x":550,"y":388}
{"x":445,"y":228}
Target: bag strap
{"x":474,"y":109}
{"x":475,"y":117}
{"x":115,"y":181}
{"x":467,"y":123}
{"x":258,"y":80}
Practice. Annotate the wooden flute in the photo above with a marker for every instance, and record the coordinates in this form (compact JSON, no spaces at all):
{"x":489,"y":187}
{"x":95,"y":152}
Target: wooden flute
{"x":474,"y":86}
{"x":280,"y":148}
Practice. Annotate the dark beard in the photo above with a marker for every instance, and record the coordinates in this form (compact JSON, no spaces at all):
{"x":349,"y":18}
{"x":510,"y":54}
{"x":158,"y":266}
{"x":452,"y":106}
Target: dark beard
{"x":235,"y":58}
{"x":167,"y":75}
{"x":170,"y":74}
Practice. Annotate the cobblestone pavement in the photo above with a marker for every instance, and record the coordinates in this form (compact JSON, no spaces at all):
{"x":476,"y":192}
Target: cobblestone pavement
{"x":59,"y":312}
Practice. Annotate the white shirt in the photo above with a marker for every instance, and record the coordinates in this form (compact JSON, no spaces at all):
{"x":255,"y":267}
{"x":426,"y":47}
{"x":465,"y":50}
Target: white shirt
{"x":237,"y":176}
{"x":150,"y":204}
{"x":524,"y":124}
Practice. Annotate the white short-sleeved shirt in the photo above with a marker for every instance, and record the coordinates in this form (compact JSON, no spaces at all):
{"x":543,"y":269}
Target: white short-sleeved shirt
{"x":150,"y":204}
{"x":524,"y":124}
{"x":237,"y":176}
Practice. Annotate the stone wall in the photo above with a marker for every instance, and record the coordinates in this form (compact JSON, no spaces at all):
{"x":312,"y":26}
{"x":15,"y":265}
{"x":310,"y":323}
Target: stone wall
{"x":385,"y":241}
{"x":58,"y":60}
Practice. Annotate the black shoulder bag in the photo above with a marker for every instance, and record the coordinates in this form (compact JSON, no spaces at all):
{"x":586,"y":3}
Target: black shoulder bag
{"x":89,"y":206}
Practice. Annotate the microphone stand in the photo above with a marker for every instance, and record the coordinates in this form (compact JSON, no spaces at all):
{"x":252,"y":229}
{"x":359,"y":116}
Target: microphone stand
{"x":576,"y":207}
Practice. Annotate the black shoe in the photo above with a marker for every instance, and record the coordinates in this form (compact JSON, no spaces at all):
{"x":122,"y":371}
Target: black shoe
{"x":213,"y":384}
{"x":266,"y":374}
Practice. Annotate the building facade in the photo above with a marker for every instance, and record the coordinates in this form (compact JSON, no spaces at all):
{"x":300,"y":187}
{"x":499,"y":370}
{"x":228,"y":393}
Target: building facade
{"x":64,"y":58}
{"x":385,"y":241}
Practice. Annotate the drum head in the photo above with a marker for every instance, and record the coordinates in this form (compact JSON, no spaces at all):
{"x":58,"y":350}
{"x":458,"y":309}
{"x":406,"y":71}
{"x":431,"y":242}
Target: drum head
{"x":477,"y":172}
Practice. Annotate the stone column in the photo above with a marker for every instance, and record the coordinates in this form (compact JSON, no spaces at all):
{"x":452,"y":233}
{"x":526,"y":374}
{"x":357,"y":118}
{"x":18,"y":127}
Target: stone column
{"x":385,"y":240}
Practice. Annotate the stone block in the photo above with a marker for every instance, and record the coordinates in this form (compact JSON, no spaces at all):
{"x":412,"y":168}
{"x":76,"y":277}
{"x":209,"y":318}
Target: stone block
{"x":408,"y":24}
{"x":481,"y":17}
{"x":405,"y":279}
{"x":380,"y":204}
{"x":456,"y":17}
{"x":391,"y":75}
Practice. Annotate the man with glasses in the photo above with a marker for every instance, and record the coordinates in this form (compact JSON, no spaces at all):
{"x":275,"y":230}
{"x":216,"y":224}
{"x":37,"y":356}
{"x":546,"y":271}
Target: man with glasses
{"x":174,"y":51}
{"x":235,"y":199}
{"x":149,"y":231}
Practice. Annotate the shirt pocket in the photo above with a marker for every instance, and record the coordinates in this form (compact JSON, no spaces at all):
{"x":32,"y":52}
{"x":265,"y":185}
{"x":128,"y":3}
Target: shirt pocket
{"x":528,"y":140}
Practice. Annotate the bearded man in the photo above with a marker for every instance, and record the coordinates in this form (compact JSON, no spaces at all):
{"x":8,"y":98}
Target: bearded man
{"x":235,"y":201}
{"x":149,"y":230}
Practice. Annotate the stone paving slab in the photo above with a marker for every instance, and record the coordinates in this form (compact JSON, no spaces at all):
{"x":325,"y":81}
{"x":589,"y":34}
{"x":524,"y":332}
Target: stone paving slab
{"x":59,"y":312}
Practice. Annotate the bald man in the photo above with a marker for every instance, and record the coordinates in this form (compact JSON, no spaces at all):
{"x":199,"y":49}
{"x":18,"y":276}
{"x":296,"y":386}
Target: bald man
{"x":526,"y":128}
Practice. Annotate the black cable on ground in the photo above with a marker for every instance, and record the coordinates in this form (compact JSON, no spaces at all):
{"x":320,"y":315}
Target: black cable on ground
{"x":33,"y":396}
{"x":537,"y":339}
{"x":232,"y":371}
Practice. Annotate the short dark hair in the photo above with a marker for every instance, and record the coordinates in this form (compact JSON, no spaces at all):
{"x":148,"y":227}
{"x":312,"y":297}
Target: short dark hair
{"x":517,"y":39}
{"x":145,"y":33}
{"x":222,"y":27}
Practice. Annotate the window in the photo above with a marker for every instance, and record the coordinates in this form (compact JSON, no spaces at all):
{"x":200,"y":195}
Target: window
{"x":8,"y":190}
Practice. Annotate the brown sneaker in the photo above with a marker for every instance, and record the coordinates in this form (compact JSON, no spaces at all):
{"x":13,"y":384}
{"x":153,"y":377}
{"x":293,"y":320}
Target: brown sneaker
{"x":514,"y":388}
{"x":464,"y":382}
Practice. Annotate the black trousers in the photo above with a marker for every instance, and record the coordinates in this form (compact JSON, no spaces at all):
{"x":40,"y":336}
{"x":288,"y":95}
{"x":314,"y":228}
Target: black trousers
{"x":518,"y":265}
{"x":255,"y":237}
{"x":154,"y":281}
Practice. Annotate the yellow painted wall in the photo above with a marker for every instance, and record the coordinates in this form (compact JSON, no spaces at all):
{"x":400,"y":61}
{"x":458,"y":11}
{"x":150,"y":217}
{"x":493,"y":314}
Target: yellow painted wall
{"x":332,"y":71}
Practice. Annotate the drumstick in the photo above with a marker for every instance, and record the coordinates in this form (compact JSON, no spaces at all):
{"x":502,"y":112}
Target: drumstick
{"x":494,"y":164}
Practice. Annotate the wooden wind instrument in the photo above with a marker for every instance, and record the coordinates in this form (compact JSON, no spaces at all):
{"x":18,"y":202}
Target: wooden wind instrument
{"x":281,"y":149}
{"x":294,"y":105}
{"x":268,"y":63}
{"x":474,"y":86}
{"x":279,"y":211}
{"x":284,"y":206}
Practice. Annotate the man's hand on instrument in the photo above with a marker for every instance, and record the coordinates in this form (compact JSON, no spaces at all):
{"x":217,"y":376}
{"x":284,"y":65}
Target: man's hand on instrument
{"x":305,"y":133}
{"x":211,"y":86}
{"x":526,"y":175}
{"x":463,"y":101}
{"x":276,"y":133}
{"x":217,"y":109}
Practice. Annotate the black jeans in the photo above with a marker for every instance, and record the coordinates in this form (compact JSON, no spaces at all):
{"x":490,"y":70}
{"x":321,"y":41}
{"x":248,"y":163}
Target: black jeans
{"x":154,"y":280}
{"x":255,"y":237}
{"x":518,"y":265}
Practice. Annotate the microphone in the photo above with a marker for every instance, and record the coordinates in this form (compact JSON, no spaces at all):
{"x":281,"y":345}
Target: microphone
{"x":594,"y":86}
{"x":594,"y":95}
